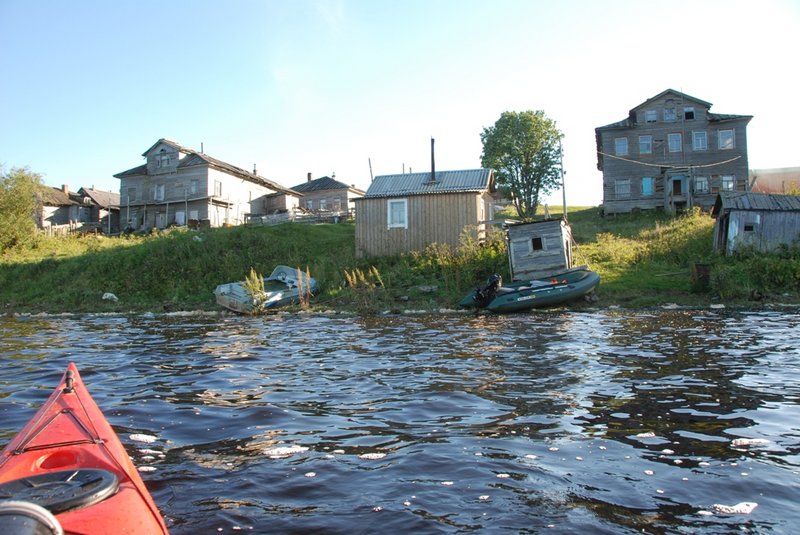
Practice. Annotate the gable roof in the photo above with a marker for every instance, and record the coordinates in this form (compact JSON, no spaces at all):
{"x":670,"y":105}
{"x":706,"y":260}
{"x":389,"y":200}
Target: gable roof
{"x":324,"y":183}
{"x":466,"y":181}
{"x":192,"y":158}
{"x":755,"y":202}
{"x":103,"y":199}
{"x":630,"y":121}
{"x":50,"y":196}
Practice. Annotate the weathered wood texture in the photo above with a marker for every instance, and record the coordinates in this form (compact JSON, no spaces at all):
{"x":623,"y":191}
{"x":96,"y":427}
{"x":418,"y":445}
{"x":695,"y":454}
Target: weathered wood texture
{"x":690,"y":176}
{"x":539,"y":249}
{"x":438,"y":218}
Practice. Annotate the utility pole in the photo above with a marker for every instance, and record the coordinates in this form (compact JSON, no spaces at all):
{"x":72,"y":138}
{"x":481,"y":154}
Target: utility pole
{"x":563,"y":186}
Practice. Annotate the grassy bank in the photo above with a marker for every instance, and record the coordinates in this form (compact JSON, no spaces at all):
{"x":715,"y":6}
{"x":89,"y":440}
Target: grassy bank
{"x":643,"y":259}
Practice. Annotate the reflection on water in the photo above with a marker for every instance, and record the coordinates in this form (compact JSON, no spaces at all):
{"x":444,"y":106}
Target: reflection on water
{"x":569,"y":422}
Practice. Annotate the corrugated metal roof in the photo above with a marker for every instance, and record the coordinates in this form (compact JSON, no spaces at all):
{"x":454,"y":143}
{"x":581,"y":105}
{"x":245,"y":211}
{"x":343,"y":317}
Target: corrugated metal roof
{"x":756,"y":201}
{"x":466,"y":181}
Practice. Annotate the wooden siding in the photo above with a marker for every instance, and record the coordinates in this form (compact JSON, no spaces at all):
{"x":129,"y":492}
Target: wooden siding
{"x":555,"y":255}
{"x":431,"y":219}
{"x":765,"y":231}
{"x":661,"y":164}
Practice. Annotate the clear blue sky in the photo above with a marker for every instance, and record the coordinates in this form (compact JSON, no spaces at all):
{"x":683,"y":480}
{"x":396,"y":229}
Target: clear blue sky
{"x":326,"y":86}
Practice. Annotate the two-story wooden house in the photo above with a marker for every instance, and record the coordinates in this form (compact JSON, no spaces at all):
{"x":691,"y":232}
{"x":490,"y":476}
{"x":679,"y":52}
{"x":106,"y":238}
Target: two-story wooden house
{"x":327,"y":194}
{"x":671,"y":152}
{"x":180,"y":186}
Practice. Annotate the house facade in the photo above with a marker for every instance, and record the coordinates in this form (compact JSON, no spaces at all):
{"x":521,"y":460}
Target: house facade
{"x":326,"y":194}
{"x":408,"y":212}
{"x":181,"y":186}
{"x":762,"y":221}
{"x":671,"y":153}
{"x":56,"y":208}
{"x":99,"y":209}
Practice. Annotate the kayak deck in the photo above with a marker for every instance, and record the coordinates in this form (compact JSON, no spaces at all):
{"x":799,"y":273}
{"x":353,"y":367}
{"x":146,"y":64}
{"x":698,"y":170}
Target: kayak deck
{"x":77,"y":468}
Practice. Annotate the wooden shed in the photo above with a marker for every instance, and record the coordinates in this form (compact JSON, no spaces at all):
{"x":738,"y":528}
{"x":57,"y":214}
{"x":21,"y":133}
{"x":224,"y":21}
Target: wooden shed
{"x":408,"y":212}
{"x":760,"y":220}
{"x":539,"y":248}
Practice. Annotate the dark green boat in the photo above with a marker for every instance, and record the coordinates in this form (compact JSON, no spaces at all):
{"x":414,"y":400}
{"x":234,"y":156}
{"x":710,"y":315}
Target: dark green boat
{"x":536,"y":293}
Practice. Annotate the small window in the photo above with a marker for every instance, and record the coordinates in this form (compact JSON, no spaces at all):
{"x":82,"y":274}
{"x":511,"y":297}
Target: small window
{"x":688,"y":113}
{"x":725,"y":139}
{"x":397,"y":213}
{"x":158,"y":192}
{"x":645,"y":144}
{"x":701,"y":184}
{"x":537,"y":244}
{"x":131,"y":195}
{"x":727,"y":182}
{"x":218,"y":188}
{"x":310,"y":204}
{"x":675,"y":142}
{"x":650,"y":116}
{"x":193,"y":185}
{"x":323,"y":204}
{"x":647,"y":186}
{"x":670,"y":116}
{"x":622,"y":187}
{"x":749,"y":227}
{"x":621,"y":146}
{"x":699,"y":141}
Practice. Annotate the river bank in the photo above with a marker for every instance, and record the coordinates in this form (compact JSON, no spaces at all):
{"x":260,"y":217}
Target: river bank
{"x":644,"y":261}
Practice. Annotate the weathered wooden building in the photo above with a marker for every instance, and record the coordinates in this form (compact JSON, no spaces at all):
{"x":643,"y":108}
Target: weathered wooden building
{"x":326,"y":194}
{"x":56,"y":207}
{"x":671,"y":153}
{"x":100,"y":209}
{"x":539,"y":248}
{"x":179,"y":186}
{"x":762,"y":221}
{"x":408,"y":212}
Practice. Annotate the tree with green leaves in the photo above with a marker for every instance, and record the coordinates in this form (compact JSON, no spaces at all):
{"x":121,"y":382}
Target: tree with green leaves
{"x":525,"y":150}
{"x":18,"y":204}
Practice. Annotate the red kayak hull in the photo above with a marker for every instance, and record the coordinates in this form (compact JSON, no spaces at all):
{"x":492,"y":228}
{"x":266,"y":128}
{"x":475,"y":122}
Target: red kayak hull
{"x":69,"y":432}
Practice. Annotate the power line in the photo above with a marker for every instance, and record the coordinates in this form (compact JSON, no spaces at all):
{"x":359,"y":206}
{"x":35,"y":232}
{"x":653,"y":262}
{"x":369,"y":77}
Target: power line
{"x":665,"y":165}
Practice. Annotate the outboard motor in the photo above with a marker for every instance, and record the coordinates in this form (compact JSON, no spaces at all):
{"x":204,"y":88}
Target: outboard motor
{"x":484,"y":296}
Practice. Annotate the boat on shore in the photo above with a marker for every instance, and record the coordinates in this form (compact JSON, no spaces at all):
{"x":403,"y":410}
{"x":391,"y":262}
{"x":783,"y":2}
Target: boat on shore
{"x":537,"y":293}
{"x":285,"y":286}
{"x":66,"y":471}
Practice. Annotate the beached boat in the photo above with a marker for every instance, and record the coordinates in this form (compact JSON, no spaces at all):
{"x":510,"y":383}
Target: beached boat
{"x":537,"y":293}
{"x":285,"y":286}
{"x":67,"y":472}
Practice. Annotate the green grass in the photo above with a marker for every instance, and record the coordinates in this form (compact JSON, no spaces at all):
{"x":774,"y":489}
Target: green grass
{"x":644,"y":259}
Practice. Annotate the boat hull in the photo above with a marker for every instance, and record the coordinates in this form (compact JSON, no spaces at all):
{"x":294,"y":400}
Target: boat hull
{"x":539,"y":293}
{"x":285,"y":286}
{"x":69,"y":434}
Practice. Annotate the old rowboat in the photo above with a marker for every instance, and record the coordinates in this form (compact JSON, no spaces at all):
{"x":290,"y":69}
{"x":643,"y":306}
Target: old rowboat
{"x":538,"y":293}
{"x":285,"y":286}
{"x":67,"y":472}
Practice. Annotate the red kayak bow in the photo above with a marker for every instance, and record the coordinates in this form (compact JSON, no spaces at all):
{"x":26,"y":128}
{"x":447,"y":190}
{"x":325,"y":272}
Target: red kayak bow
{"x":68,"y":467}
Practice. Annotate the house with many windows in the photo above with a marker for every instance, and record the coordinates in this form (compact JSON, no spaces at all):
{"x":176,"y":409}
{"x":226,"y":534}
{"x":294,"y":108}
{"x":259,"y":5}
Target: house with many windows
{"x":180,"y":186}
{"x":671,"y":153}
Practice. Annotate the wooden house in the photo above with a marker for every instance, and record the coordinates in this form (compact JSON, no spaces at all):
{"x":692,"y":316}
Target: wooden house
{"x":671,"y":153}
{"x":99,"y":209}
{"x":180,"y":186}
{"x":538,"y":249}
{"x":408,"y":212}
{"x":326,"y":194}
{"x":56,"y":208}
{"x":762,"y":221}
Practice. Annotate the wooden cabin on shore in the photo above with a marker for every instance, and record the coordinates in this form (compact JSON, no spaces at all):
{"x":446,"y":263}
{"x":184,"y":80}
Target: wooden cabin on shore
{"x":762,"y":221}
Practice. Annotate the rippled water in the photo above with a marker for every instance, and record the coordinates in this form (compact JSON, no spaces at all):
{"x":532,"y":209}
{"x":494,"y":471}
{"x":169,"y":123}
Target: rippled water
{"x":603,"y":422}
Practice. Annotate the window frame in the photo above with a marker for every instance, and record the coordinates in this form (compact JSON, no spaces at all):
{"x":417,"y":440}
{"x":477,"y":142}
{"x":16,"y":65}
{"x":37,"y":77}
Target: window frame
{"x":650,"y":116}
{"x":704,"y":136}
{"x":647,"y":138}
{"x":620,"y":142}
{"x":698,"y":180}
{"x":727,"y":183}
{"x":671,"y":137}
{"x":622,"y":187}
{"x":724,"y":146}
{"x":402,"y":222}
{"x":670,"y":114}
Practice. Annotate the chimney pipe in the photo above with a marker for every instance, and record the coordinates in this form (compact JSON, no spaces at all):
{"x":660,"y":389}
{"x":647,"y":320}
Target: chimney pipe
{"x":309,"y":177}
{"x":433,"y":164}
{"x":65,"y":188}
{"x":254,"y":169}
